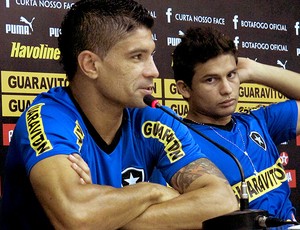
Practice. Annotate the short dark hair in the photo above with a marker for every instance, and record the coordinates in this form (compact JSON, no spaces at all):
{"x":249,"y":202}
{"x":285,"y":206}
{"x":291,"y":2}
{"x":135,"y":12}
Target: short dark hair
{"x":97,"y":25}
{"x":199,"y":45}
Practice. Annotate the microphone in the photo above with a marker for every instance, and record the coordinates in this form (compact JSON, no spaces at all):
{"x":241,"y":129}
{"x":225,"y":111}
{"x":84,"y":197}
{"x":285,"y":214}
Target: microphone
{"x":244,"y":201}
{"x":243,"y":219}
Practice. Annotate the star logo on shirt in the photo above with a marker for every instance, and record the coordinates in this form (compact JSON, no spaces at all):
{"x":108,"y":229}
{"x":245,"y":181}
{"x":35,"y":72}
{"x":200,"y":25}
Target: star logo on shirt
{"x":257,"y":138}
{"x":132,"y":179}
{"x":132,"y":176}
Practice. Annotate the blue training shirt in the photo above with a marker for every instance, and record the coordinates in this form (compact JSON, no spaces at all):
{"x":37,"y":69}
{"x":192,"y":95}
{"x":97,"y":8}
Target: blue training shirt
{"x":253,"y":139}
{"x":54,"y":124}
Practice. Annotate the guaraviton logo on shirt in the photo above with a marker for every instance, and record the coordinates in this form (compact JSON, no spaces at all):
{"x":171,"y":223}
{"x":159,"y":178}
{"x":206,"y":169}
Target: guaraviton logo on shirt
{"x":166,"y":136}
{"x":37,"y":137}
{"x":265,"y":181}
{"x":79,"y":134}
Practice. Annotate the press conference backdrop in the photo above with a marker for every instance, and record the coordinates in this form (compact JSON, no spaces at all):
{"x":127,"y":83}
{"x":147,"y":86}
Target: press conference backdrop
{"x":265,"y":30}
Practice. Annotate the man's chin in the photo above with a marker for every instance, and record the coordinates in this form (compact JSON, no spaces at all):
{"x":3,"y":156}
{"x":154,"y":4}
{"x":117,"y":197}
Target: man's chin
{"x":137,"y":104}
{"x":226,"y":113}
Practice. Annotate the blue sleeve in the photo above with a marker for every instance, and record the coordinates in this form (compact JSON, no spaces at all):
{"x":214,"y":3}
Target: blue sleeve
{"x":281,"y":120}
{"x":43,"y":135}
{"x":177,"y":146}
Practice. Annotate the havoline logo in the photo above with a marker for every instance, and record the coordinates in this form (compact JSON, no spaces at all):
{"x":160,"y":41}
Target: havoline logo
{"x":43,"y":51}
{"x":23,"y":29}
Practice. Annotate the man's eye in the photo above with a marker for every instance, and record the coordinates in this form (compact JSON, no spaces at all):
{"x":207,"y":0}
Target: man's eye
{"x":209,"y":80}
{"x":232,"y":74}
{"x":138,"y":56}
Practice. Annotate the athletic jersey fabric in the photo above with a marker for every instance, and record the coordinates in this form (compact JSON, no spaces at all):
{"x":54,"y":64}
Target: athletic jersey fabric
{"x":253,"y":139}
{"x":54,"y":124}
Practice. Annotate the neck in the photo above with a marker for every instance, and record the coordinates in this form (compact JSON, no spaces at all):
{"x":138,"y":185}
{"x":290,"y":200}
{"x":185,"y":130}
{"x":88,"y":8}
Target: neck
{"x":104,"y":117}
{"x":204,"y":119}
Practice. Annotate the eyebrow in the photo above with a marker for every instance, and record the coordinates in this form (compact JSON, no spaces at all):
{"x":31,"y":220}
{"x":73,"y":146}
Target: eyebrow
{"x":234,"y":70}
{"x":141,"y":50}
{"x":215,"y":74}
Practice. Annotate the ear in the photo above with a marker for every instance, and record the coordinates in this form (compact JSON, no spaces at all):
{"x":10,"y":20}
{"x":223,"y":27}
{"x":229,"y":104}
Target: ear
{"x":183,"y":89}
{"x":87,"y":63}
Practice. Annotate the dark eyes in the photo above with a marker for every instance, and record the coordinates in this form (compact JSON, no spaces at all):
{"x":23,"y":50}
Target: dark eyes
{"x":209,"y":80}
{"x":213,"y":79}
{"x":138,"y":56}
{"x":232,"y":74}
{"x":141,"y":56}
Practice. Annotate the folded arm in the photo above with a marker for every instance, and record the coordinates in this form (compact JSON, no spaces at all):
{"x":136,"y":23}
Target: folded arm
{"x":71,"y":204}
{"x":205,"y":193}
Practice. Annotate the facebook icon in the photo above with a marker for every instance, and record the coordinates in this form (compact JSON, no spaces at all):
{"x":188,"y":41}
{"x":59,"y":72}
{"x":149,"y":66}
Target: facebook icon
{"x":169,"y":14}
{"x":236,"y":42}
{"x":297,"y":26}
{"x":235,"y":21}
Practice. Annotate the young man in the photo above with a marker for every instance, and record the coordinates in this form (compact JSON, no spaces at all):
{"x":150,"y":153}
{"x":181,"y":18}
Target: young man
{"x":208,"y":75}
{"x":106,"y":48}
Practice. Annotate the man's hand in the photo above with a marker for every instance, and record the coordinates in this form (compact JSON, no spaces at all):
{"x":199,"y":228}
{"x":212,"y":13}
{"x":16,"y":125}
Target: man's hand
{"x":245,"y":69}
{"x":81,"y":168}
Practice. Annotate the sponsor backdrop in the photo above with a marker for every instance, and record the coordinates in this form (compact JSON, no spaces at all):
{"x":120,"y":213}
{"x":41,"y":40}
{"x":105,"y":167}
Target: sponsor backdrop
{"x":267,"y":31}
